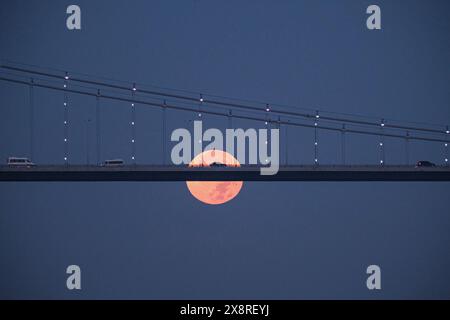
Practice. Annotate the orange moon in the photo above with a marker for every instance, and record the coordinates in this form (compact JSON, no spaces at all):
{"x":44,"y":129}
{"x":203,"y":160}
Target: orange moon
{"x":214,"y":192}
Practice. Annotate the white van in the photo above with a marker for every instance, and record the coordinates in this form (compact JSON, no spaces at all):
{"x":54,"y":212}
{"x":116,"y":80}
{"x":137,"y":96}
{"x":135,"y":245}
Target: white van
{"x":20,"y":162}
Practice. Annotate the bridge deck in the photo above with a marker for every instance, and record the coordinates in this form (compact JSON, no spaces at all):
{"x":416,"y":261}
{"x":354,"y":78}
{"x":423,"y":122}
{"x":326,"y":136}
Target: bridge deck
{"x":247,"y":173}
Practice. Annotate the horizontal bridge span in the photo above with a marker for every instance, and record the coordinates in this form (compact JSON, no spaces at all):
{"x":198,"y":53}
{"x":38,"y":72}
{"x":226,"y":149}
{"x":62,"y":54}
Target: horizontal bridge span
{"x":246,"y":173}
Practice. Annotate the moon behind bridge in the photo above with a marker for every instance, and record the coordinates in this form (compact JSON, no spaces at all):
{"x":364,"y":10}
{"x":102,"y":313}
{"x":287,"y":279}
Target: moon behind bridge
{"x":214,"y":192}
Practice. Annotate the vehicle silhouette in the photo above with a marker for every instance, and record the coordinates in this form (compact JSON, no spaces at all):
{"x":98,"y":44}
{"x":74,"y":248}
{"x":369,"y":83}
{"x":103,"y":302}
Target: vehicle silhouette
{"x":424,"y":163}
{"x":20,"y":162}
{"x":113,"y":163}
{"x":217,"y":165}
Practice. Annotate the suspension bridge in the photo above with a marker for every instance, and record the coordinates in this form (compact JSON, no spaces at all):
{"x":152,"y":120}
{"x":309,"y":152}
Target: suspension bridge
{"x":195,"y":106}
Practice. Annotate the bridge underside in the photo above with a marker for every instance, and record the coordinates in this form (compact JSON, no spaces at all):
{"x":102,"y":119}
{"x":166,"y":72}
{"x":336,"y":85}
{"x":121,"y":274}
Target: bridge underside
{"x":249,"y":173}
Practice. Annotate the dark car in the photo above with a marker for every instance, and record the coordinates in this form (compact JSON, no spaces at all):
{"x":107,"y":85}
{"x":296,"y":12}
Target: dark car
{"x":425,"y":164}
{"x":113,"y":163}
{"x":217,"y":164}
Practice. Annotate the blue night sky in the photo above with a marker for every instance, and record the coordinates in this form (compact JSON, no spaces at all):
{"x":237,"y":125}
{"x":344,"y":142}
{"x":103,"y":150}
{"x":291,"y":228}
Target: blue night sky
{"x":275,"y":240}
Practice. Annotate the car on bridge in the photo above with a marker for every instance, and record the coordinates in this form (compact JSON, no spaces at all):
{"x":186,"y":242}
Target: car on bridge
{"x":113,"y":163}
{"x":20,"y":162}
{"x":218,"y":165}
{"x":424,"y":163}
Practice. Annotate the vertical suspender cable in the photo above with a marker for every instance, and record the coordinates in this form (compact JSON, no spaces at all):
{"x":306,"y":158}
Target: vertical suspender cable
{"x":343,"y":144}
{"x":66,"y":124}
{"x":98,"y":126}
{"x":31,"y":119}
{"x":133,"y":130}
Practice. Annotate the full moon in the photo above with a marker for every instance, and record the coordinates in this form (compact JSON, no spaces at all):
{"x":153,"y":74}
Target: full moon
{"x":214,"y":192}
